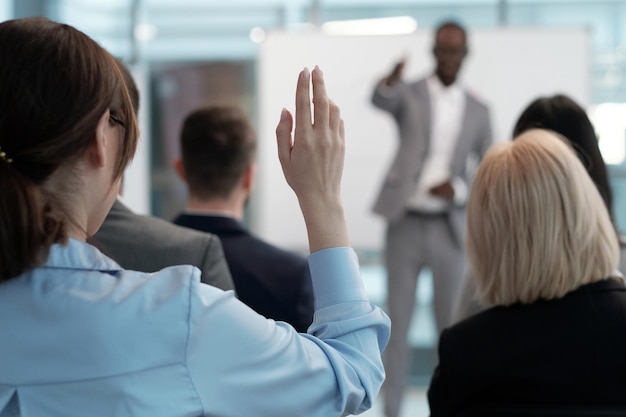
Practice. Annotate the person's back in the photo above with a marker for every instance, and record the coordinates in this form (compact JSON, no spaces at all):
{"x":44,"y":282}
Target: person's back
{"x":274,"y":282}
{"x":566,"y":352}
{"x":543,"y":253}
{"x":218,"y":147}
{"x":149,"y":244}
{"x":84,"y":342}
{"x":120,"y":342}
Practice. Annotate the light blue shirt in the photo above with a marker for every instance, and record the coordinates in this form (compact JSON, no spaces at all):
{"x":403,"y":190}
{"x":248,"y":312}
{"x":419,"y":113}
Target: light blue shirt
{"x":82,"y":337}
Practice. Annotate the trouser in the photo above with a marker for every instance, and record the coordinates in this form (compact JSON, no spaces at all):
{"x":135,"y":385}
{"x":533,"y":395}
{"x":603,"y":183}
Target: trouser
{"x":413,"y":242}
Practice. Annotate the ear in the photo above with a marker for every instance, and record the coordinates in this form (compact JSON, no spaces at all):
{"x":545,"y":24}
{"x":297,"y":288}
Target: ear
{"x":97,"y":154}
{"x":180,"y":169}
{"x":248,"y":177}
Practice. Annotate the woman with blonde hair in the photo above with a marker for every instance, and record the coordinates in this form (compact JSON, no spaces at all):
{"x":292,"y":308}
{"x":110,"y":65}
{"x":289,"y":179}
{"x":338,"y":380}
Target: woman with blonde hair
{"x":543,"y":253}
{"x":83,"y":337}
{"x":564,"y":116}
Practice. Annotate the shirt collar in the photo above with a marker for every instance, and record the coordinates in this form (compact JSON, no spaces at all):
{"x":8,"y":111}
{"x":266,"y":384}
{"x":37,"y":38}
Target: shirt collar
{"x":79,"y":255}
{"x":209,"y":212}
{"x":435,"y":86}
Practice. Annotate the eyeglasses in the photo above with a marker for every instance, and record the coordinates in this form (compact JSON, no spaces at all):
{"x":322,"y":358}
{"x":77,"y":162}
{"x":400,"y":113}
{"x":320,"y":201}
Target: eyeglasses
{"x":452,"y":52}
{"x":115,"y":119}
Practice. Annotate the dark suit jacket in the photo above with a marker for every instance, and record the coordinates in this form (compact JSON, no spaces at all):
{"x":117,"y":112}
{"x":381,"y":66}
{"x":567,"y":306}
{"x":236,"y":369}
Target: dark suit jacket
{"x":570,"y":351}
{"x":148,"y":244}
{"x":273,"y":282}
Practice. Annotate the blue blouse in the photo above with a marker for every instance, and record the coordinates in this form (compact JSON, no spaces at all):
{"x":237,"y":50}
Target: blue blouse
{"x":83,"y":337}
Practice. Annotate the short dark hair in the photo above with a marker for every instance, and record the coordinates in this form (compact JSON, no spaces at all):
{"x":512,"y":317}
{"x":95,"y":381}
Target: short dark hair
{"x":564,"y":116}
{"x":217,"y":145}
{"x":451,"y":24}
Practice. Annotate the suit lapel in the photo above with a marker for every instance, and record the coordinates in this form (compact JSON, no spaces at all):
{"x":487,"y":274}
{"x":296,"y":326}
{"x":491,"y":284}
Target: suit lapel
{"x":464,"y":140}
{"x":424,"y":110}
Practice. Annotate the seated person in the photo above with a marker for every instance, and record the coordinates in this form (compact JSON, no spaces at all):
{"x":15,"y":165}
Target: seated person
{"x":542,"y":251}
{"x":218,"y":148}
{"x":148,"y":244}
{"x":81,"y":336}
{"x":564,"y":116}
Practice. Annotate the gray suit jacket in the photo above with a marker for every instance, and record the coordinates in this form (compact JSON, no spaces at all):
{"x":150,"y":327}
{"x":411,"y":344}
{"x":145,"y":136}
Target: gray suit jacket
{"x":148,"y":244}
{"x":409,"y":104}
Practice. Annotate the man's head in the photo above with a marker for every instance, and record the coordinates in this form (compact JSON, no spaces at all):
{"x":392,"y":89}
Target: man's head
{"x":450,"y":49}
{"x":218,"y":148}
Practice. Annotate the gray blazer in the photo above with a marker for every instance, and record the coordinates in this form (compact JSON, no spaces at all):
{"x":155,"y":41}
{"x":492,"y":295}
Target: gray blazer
{"x":148,"y":244}
{"x":409,"y":104}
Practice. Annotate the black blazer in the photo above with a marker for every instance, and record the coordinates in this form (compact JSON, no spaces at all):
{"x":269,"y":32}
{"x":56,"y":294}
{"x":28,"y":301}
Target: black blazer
{"x":273,"y":282}
{"x":570,"y":351}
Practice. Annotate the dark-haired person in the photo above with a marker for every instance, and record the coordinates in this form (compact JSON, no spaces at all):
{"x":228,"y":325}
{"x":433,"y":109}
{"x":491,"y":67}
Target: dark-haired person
{"x":441,"y":129}
{"x":218,"y":148}
{"x":147,"y":243}
{"x":562,"y":115}
{"x":82,"y":336}
{"x":543,"y":254}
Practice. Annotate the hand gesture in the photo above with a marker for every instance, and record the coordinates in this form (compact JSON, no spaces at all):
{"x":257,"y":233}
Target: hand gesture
{"x":312,"y":160}
{"x":396,"y":74}
{"x":443,"y":190}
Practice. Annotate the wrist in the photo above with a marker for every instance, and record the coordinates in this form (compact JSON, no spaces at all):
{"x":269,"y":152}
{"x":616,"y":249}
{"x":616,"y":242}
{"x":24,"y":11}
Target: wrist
{"x":326,"y":224}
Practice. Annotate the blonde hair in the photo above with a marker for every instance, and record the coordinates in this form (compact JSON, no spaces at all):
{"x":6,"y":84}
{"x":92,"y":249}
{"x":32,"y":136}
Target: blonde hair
{"x":537,"y":226}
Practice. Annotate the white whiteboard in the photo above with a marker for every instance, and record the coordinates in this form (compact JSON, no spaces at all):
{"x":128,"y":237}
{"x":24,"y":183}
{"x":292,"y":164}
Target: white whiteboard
{"x":507,"y":68}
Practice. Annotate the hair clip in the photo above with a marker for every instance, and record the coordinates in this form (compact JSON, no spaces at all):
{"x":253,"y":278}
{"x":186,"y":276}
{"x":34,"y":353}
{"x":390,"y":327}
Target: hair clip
{"x":4,"y":157}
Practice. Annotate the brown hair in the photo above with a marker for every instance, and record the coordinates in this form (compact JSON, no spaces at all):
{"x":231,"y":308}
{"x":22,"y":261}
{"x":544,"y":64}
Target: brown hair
{"x":218,"y":144}
{"x":55,"y":85}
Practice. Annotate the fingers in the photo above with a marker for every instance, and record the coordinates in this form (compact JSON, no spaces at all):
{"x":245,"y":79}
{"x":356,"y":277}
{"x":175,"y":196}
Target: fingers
{"x":320,"y":98}
{"x":283,"y":136}
{"x":325,"y":112}
{"x":342,"y":129}
{"x":303,"y":99}
{"x":334,"y":115}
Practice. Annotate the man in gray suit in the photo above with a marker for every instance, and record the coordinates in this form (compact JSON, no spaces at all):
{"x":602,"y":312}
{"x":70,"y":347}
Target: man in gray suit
{"x":423,"y":195}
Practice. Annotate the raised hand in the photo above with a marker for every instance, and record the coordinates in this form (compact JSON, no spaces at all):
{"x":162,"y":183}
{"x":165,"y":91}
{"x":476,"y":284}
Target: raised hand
{"x":443,"y":190}
{"x":312,"y":160}
{"x":396,"y":73}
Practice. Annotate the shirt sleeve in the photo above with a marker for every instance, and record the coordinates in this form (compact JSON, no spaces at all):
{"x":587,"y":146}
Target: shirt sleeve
{"x":386,"y":90}
{"x":242,"y":364}
{"x":388,"y":98}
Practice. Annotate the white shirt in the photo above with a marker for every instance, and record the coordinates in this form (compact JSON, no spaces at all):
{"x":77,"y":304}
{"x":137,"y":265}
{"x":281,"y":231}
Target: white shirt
{"x":447,"y":109}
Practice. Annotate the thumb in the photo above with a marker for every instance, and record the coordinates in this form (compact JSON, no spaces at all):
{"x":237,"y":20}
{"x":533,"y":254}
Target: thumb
{"x":283,"y":136}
